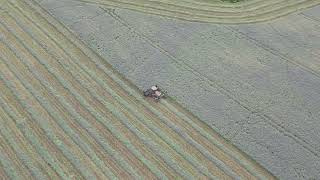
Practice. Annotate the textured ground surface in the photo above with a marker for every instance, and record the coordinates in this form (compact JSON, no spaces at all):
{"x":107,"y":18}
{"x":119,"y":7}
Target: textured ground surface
{"x":65,"y":114}
{"x":256,"y":84}
{"x":214,"y":10}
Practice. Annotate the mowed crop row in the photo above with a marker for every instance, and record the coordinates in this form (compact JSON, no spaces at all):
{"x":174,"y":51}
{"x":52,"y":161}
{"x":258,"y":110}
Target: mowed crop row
{"x":65,"y":113}
{"x":215,"y":12}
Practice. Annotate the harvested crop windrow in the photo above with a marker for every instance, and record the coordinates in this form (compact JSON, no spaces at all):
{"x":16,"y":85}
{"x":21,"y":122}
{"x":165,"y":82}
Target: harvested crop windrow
{"x":213,"y":12}
{"x":65,"y":113}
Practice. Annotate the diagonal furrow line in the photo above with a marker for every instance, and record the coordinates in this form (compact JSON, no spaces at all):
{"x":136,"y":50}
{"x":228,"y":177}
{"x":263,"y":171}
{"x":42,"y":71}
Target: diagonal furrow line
{"x":55,"y":139}
{"x":73,"y":110}
{"x":11,"y":106}
{"x":105,"y":145}
{"x":32,"y":139}
{"x":177,"y":62}
{"x":28,"y":149}
{"x":127,"y":105}
{"x":28,"y":161}
{"x":274,"y":51}
{"x":28,"y":88}
{"x":6,"y":161}
{"x":174,"y":128}
{"x":310,"y":17}
{"x":180,"y":133}
{"x":61,"y":121}
{"x":112,"y":128}
{"x":224,"y":91}
{"x":152,"y":127}
{"x":94,"y":58}
{"x":3,"y":170}
{"x":45,"y":158}
{"x":216,"y":139}
{"x":195,"y":138}
{"x":24,"y":121}
{"x":300,"y":65}
{"x":211,"y":158}
{"x":14,"y":87}
{"x":145,"y":104}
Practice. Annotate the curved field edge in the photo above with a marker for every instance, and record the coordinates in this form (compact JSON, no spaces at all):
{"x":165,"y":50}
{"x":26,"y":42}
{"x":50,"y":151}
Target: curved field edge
{"x":256,"y":12}
{"x":47,"y":80}
{"x":133,"y":90}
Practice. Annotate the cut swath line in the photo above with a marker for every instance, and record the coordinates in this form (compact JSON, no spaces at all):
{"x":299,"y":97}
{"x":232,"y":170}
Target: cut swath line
{"x":81,"y":98}
{"x":100,"y":138}
{"x":23,"y":99}
{"x":20,"y":150}
{"x":223,"y":90}
{"x":75,"y":137}
{"x":49,"y":132}
{"x":107,"y":146}
{"x":59,"y":118}
{"x":33,"y":140}
{"x":23,"y":121}
{"x":102,"y":66}
{"x":7,"y":160}
{"x":270,"y":10}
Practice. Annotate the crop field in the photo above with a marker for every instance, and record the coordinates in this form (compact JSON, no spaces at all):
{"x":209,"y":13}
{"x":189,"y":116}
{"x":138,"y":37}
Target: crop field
{"x":214,"y":11}
{"x":256,"y":84}
{"x":65,"y":113}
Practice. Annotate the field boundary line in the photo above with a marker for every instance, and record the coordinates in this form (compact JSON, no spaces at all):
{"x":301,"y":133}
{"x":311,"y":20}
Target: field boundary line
{"x":220,"y":88}
{"x":86,"y":50}
{"x":98,"y":83}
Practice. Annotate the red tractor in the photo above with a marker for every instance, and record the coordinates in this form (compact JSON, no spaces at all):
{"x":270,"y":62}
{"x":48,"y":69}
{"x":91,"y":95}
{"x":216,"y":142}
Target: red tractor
{"x":154,"y":92}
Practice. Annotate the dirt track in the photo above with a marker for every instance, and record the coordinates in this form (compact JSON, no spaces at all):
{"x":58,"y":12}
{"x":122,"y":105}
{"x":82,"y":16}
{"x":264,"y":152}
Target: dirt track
{"x":65,"y":113}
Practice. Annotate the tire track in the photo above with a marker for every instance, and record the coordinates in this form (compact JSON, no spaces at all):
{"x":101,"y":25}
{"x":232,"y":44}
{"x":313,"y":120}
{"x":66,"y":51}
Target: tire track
{"x":94,"y":56}
{"x":219,"y":87}
{"x":88,"y":121}
{"x":111,"y":128}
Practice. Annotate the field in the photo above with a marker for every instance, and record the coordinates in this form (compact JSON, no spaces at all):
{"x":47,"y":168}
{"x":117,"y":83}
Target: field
{"x":256,"y":84}
{"x":65,"y":113}
{"x":214,"y":11}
